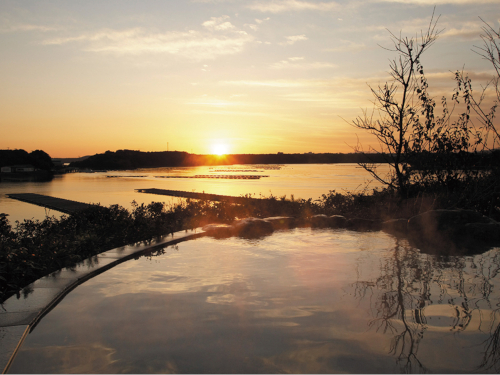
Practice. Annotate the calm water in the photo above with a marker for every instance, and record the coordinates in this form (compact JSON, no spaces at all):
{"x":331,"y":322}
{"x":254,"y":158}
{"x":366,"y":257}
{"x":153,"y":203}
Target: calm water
{"x":306,"y":301}
{"x":302,"y":180}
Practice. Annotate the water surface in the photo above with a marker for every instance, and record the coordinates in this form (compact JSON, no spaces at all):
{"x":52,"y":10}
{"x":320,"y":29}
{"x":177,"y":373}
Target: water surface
{"x":301,"y":180}
{"x":301,"y":301}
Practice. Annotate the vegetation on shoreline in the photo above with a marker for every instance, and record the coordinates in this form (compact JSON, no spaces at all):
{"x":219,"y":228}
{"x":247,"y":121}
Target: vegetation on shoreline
{"x":451,"y":147}
{"x":38,"y":159}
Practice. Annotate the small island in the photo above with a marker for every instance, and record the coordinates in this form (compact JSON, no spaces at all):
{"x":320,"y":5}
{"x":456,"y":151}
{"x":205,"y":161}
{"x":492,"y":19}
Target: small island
{"x":19,"y":165}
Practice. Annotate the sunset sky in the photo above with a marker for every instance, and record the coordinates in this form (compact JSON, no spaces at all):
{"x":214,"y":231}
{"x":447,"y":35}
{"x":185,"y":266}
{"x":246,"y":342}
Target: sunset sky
{"x":204,"y":76}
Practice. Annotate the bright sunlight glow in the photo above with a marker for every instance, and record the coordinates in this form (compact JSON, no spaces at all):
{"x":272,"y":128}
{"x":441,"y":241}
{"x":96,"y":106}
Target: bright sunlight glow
{"x":219,"y":149}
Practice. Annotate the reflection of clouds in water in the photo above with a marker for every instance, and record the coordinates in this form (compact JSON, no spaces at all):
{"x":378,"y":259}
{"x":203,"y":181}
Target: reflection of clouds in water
{"x":298,"y":301}
{"x":252,"y":274}
{"x":186,"y":270}
{"x":284,"y":313}
{"x":230,"y":299}
{"x":240,"y":293}
{"x":309,"y":357}
{"x":83,"y":359}
{"x":95,"y":358}
{"x":327,"y":241}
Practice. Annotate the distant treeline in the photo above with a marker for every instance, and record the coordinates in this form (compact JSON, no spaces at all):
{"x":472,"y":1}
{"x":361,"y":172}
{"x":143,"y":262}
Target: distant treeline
{"x":38,"y":159}
{"x":128,"y":159}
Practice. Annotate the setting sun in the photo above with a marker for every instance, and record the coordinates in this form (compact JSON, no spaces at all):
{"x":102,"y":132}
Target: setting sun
{"x":219,"y":149}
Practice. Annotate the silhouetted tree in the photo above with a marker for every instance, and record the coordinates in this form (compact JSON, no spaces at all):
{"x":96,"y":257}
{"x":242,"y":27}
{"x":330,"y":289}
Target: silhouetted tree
{"x":423,"y":148}
{"x":397,"y":107}
{"x":490,"y":51}
{"x":41,"y":160}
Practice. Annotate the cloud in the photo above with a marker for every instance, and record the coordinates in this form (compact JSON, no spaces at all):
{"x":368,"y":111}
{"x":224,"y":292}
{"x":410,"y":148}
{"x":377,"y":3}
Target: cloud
{"x":438,"y":2}
{"x":211,"y":102}
{"x":280,"y":6}
{"x":322,"y":98}
{"x":255,"y":26}
{"x":271,"y":83}
{"x":294,"y":38}
{"x":283,"y":83}
{"x":231,"y":113}
{"x":212,"y":1}
{"x":217,"y":23}
{"x":11,"y":28}
{"x":336,"y":84}
{"x":467,"y":30}
{"x":191,"y":44}
{"x":291,"y":63}
{"x":347,"y":45}
{"x":103,"y":35}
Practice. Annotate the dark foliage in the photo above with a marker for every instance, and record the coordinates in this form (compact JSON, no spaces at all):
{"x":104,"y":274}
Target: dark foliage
{"x":38,"y":158}
{"x":441,"y":158}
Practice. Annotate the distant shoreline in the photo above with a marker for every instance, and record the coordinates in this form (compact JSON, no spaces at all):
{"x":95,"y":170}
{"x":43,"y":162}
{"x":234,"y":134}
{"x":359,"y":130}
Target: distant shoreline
{"x":129,"y":159}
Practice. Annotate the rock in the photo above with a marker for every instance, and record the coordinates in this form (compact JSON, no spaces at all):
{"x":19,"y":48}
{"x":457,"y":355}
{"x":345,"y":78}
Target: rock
{"x":323,"y":221}
{"x":437,"y":222}
{"x":281,"y":222}
{"x":302,"y":222}
{"x":219,"y":230}
{"x":452,"y":230}
{"x":253,"y":228}
{"x":363,"y":224}
{"x":483,"y":232}
{"x":338,"y":221}
{"x":320,"y":221}
{"x":397,"y":227}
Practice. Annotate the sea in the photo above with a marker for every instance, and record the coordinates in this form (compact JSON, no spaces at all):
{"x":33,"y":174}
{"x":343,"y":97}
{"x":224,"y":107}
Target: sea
{"x":297,"y":181}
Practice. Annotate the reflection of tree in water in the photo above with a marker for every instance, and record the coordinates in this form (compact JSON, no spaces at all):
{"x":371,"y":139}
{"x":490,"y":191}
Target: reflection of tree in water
{"x":409,"y":281}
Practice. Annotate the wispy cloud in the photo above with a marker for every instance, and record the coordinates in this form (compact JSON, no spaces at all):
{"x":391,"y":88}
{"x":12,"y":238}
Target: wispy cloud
{"x":221,"y":38}
{"x":293,"y":38}
{"x":468,"y":30}
{"x":321,"y":97}
{"x":226,"y":112}
{"x":346,"y":45}
{"x":211,"y":102}
{"x":102,"y":35}
{"x":284,"y":83}
{"x":337,"y":84}
{"x":268,"y":83}
{"x":11,"y":28}
{"x":212,"y":1}
{"x":280,"y":6}
{"x":218,"y":23}
{"x":438,"y":2}
{"x":254,"y":26}
{"x":297,"y":63}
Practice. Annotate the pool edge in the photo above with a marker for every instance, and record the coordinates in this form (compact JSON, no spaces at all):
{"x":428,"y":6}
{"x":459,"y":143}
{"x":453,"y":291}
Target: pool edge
{"x":175,"y":238}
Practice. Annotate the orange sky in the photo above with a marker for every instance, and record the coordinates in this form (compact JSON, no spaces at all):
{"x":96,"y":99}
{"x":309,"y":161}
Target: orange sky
{"x":83,"y":77}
